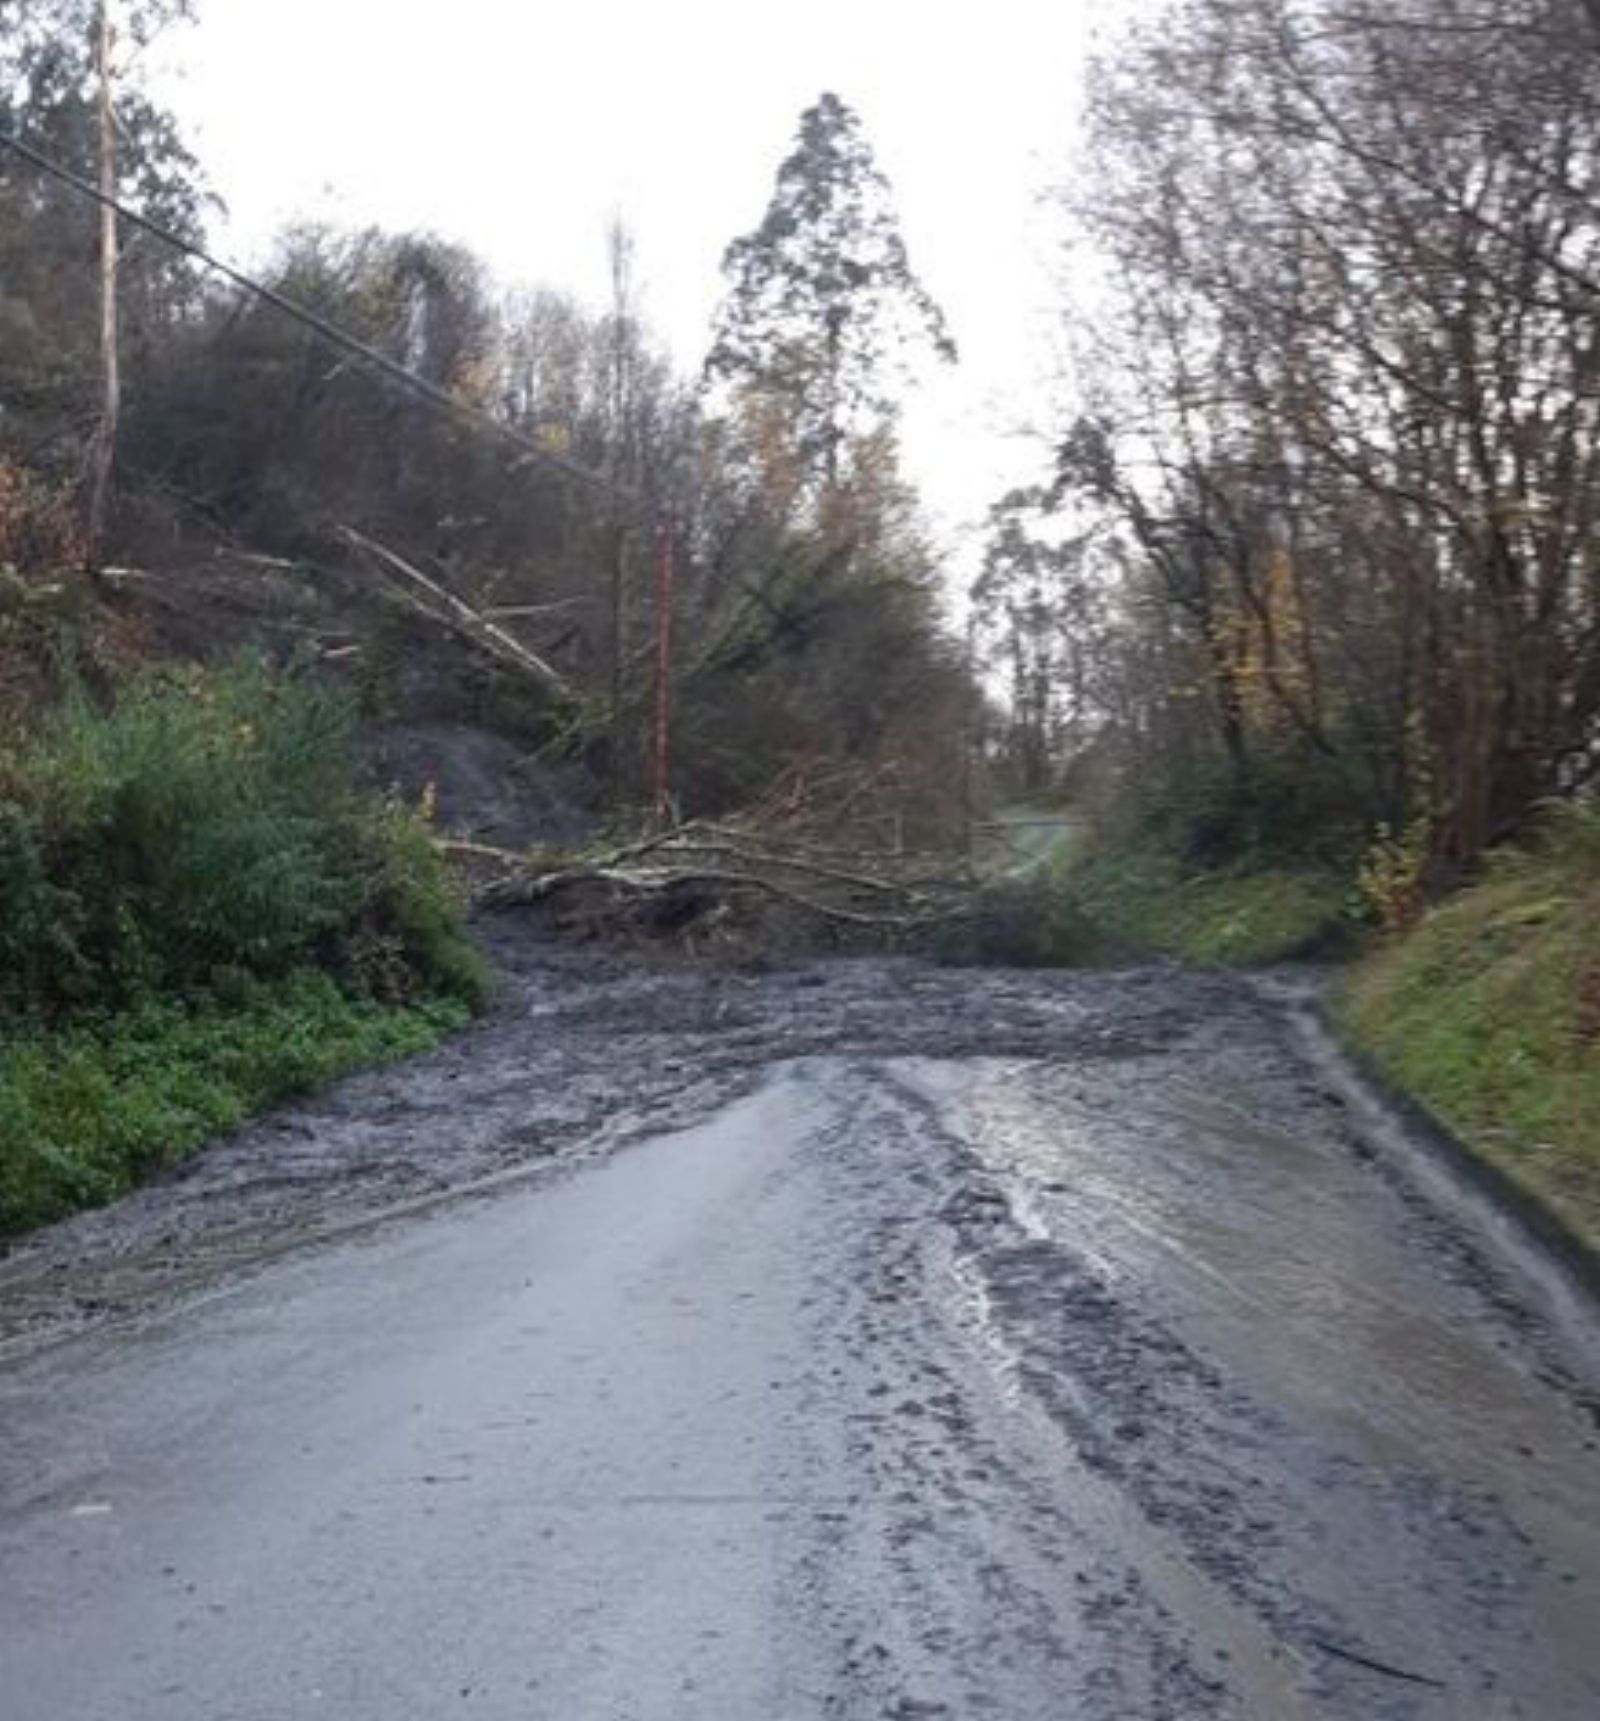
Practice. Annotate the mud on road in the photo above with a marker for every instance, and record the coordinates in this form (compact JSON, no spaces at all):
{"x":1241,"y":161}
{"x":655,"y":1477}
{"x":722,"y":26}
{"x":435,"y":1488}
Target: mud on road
{"x":1145,"y":1379}
{"x":582,"y":1051}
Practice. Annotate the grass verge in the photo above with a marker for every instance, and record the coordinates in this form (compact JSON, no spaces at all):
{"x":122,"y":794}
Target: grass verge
{"x":89,"y":1111}
{"x":1123,"y":903}
{"x":1146,"y":900}
{"x":1489,"y":1014}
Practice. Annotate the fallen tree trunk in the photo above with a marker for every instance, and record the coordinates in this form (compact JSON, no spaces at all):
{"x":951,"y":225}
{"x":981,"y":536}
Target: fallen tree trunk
{"x":456,"y":614}
{"x":709,"y":873}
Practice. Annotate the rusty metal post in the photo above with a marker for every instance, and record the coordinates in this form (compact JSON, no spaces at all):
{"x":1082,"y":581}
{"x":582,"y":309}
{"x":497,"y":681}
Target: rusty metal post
{"x":666,"y":596}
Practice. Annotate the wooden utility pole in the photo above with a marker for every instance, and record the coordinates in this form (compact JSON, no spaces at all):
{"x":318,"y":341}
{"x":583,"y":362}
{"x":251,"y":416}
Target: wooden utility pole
{"x":666,"y":596}
{"x":103,"y":449}
{"x":619,"y":248}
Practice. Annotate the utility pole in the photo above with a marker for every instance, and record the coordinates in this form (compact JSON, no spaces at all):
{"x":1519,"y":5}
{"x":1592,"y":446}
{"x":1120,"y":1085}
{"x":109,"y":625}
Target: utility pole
{"x":103,"y":449}
{"x":619,"y":245}
{"x":666,"y":594}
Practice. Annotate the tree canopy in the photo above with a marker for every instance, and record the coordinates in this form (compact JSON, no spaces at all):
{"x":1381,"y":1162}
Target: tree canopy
{"x":1340,"y":414}
{"x":823,"y":306}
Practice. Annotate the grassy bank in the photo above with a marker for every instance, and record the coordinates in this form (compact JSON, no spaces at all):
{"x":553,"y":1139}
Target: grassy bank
{"x":201,"y":912}
{"x":1144,"y":900}
{"x":89,"y":1111}
{"x":1489,"y":1013}
{"x":1127,"y":904}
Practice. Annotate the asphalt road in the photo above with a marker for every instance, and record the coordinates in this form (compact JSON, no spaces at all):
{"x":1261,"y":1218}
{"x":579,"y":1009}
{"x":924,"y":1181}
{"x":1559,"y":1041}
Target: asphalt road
{"x":1126,"y":1383}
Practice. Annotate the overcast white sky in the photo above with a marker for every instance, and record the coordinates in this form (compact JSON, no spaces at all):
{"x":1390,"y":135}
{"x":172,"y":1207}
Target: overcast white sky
{"x":518,"y":126}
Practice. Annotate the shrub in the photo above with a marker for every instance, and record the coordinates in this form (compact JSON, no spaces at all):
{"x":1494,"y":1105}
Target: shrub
{"x":1393,"y":874}
{"x":410,"y":927}
{"x":1146,"y":899}
{"x":209,"y":826}
{"x":38,"y":928}
{"x":38,"y":520}
{"x":200,"y":915}
{"x":1028,"y":922}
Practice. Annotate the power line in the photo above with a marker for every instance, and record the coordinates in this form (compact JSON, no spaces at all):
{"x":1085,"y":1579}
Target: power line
{"x":328,"y":331}
{"x":430,"y":392}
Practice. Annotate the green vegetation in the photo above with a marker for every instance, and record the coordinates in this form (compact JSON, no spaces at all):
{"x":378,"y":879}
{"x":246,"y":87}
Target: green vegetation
{"x":1026,"y":921}
{"x":1123,"y":903}
{"x":1489,"y":1013}
{"x":1220,"y":864}
{"x":1219,"y":868}
{"x":87,"y":1112}
{"x":200,"y":912}
{"x":1146,"y":899}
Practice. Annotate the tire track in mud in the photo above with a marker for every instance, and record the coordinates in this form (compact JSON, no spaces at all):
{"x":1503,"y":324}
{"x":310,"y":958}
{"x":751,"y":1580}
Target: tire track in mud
{"x":1089,"y":1583}
{"x":1245,"y":1513}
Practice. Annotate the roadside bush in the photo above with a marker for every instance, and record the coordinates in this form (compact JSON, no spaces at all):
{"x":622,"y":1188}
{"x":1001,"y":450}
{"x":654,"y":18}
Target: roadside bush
{"x":37,"y":921}
{"x":1288,"y":805}
{"x":410,"y":925}
{"x":1219,"y":863}
{"x":39,"y":521}
{"x":1146,"y":899}
{"x":210,"y":826}
{"x":201,"y":914}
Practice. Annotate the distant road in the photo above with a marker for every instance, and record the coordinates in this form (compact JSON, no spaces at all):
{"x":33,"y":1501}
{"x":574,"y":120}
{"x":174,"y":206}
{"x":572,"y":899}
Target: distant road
{"x":1024,"y":839}
{"x":1111,"y":1381}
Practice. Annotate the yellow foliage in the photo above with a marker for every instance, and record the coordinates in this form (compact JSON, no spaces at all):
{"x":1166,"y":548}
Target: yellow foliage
{"x":1393,"y":871}
{"x":1266,"y":645}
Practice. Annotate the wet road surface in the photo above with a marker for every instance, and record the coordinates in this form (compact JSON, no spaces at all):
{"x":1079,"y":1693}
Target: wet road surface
{"x":1010,"y":1346}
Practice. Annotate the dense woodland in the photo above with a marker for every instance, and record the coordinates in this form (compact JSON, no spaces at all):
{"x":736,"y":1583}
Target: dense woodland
{"x":1317,"y":574}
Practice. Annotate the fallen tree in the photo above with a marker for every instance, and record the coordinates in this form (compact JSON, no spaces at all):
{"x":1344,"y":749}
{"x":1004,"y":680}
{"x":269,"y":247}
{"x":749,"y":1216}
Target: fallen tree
{"x":701,"y":876}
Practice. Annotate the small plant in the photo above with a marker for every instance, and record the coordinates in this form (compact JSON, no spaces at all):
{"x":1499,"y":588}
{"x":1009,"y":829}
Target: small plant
{"x":38,"y":522}
{"x":1023,"y":923}
{"x":88,"y":1111}
{"x":1392,"y":877}
{"x":1288,"y":806}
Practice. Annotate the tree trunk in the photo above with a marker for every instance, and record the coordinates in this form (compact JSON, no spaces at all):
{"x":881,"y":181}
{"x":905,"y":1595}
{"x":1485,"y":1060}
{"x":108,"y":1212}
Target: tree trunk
{"x":103,"y":449}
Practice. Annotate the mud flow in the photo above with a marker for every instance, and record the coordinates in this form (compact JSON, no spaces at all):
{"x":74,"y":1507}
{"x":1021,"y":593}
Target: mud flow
{"x":854,"y":1340}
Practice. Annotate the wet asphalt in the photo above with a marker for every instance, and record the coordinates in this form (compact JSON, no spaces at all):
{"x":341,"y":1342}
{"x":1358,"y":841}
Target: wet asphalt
{"x":869,"y":1341}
